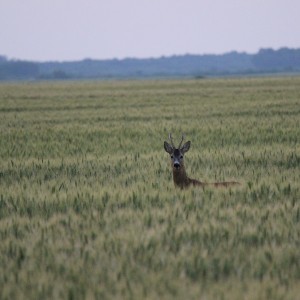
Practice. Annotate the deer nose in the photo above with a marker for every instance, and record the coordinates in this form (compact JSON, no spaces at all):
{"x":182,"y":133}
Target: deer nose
{"x":176,"y":165}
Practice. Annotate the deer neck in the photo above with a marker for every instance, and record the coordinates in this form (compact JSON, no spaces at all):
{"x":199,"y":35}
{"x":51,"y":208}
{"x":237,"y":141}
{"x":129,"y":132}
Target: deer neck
{"x":180,"y":177}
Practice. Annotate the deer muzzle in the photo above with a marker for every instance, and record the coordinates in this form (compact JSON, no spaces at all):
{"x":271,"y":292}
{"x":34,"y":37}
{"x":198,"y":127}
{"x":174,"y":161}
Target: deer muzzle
{"x":176,"y":165}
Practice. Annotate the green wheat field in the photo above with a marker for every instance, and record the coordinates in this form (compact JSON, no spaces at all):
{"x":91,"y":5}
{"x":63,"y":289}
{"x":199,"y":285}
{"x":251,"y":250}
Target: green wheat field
{"x":88,"y":208}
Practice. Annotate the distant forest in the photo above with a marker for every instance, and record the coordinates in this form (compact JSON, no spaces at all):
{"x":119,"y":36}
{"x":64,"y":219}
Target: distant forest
{"x":268,"y":61}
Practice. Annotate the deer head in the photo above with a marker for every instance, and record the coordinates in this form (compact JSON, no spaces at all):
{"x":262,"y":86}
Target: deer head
{"x":177,"y":154}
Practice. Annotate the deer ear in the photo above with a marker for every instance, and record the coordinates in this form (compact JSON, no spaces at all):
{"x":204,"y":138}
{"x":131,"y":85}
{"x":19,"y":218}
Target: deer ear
{"x":186,"y":147}
{"x":168,"y":147}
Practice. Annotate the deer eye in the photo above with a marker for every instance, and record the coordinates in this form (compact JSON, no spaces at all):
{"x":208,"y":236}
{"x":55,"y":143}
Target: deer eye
{"x":181,"y":156}
{"x":172,"y":156}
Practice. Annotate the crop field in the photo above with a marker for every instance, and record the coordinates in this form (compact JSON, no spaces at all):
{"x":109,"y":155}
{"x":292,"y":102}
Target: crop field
{"x":88,"y":208}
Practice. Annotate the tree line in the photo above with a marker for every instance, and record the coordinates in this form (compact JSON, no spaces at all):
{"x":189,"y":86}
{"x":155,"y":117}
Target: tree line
{"x":234,"y":63}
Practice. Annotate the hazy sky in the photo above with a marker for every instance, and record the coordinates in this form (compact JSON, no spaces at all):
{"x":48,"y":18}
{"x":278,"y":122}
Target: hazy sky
{"x":76,"y":29}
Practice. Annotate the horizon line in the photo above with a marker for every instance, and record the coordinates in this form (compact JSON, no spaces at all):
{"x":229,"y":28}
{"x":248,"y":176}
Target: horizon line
{"x":145,"y":58}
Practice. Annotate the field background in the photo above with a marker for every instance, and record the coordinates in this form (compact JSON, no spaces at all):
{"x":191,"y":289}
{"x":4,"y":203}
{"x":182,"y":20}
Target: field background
{"x":88,"y":209}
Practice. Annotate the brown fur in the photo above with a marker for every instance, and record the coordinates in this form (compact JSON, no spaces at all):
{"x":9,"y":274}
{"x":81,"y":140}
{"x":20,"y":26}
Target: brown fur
{"x":180,"y":177}
{"x":182,"y":181}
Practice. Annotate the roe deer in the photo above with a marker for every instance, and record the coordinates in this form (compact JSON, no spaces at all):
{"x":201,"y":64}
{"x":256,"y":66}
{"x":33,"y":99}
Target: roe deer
{"x":180,"y":177}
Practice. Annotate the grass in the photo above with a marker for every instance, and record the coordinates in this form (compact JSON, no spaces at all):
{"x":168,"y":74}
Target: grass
{"x":88,"y":209}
